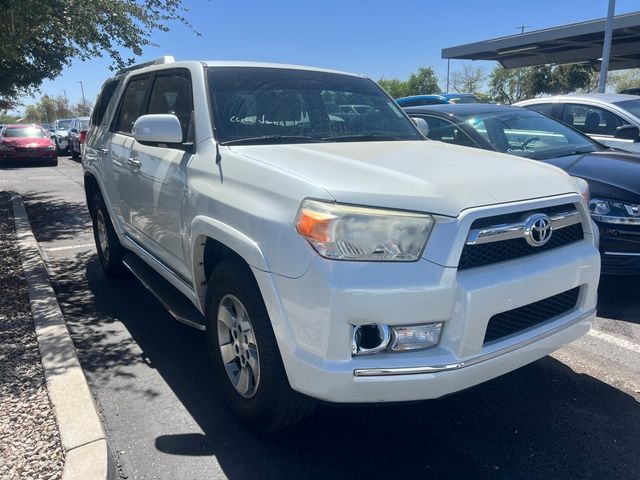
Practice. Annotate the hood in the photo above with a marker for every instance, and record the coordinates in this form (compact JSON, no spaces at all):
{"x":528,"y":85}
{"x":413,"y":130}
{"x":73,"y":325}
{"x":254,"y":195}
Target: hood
{"x":611,"y":173}
{"x":38,"y":142}
{"x":414,"y":175}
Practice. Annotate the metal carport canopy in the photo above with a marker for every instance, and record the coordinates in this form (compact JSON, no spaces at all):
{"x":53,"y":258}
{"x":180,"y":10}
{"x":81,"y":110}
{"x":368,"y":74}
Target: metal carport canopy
{"x":572,"y":43}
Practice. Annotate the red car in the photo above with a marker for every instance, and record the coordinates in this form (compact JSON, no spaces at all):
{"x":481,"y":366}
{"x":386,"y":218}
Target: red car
{"x":27,"y":142}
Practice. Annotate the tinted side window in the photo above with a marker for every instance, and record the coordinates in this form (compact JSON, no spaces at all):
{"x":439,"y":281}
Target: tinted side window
{"x":171,"y":93}
{"x":592,"y":120}
{"x":103,"y":101}
{"x":131,"y":104}
{"x":444,"y":131}
{"x":545,"y":108}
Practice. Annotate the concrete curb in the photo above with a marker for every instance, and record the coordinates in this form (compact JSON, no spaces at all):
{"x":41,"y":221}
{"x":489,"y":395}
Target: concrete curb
{"x":87,"y":454}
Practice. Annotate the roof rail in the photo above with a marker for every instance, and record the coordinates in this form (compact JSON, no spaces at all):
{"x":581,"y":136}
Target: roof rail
{"x":158,"y":61}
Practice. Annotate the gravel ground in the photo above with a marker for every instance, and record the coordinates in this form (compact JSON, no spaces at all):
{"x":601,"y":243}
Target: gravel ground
{"x":29,"y":442}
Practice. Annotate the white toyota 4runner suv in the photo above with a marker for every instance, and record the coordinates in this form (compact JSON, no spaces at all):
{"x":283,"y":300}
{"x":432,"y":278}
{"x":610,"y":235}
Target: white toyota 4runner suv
{"x":331,"y":254}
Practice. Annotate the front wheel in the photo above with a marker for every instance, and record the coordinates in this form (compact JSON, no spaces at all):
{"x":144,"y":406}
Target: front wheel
{"x":245,"y":355}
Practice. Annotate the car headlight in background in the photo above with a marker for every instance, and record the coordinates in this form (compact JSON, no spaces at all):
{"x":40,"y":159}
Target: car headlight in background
{"x":614,"y":211}
{"x":583,"y":188}
{"x":344,"y":232}
{"x":50,"y":147}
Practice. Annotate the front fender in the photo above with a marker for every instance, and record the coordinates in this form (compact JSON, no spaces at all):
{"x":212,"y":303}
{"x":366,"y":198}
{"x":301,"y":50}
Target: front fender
{"x":204,"y":227}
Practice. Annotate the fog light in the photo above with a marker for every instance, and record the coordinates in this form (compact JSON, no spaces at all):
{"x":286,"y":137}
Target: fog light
{"x":415,"y":337}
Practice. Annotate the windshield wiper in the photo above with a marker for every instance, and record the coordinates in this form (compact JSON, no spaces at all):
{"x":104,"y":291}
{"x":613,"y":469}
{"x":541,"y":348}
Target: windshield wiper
{"x":361,"y":138}
{"x":272,"y":139}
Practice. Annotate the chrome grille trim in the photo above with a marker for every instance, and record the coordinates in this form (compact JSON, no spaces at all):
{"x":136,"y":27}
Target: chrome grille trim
{"x":512,"y":231}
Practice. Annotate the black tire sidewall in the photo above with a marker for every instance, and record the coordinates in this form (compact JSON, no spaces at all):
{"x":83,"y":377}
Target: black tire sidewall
{"x":113,"y":265}
{"x":258,"y":411}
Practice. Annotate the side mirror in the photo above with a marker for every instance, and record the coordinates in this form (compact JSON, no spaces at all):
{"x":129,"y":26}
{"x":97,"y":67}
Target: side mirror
{"x":157,"y":128}
{"x":422,"y":125}
{"x":74,"y":130}
{"x":627,"y":132}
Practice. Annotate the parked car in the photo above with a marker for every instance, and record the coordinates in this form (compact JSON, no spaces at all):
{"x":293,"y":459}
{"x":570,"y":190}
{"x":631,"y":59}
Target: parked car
{"x":611,"y":119}
{"x":346,"y":261}
{"x":61,"y":129}
{"x":613,"y":175}
{"x":27,"y":142}
{"x":439,"y":99}
{"x":631,"y":91}
{"x":77,"y":134}
{"x":461,"y":98}
{"x":416,"y":100}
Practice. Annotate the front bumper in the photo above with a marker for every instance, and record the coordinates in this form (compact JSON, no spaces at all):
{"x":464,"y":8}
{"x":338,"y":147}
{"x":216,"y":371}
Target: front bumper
{"x":29,"y":154}
{"x":314,"y":314}
{"x":620,"y":248}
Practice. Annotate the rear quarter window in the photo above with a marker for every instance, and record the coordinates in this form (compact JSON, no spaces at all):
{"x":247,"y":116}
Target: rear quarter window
{"x":103,"y":102}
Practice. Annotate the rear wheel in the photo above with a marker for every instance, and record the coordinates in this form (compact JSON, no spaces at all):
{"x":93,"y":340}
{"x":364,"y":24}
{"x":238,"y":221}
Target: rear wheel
{"x":75,"y":155}
{"x":245,"y":355}
{"x":110,"y":250}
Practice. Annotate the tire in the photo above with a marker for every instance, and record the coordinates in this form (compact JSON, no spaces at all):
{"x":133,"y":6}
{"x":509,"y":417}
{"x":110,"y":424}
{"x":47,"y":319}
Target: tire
{"x":75,"y":155}
{"x":110,"y":250}
{"x":52,"y":163}
{"x":269,"y":403}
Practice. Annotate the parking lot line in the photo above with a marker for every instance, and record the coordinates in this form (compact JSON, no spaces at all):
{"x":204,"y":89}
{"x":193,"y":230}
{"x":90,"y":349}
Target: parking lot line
{"x":620,"y":342}
{"x":68,"y":247}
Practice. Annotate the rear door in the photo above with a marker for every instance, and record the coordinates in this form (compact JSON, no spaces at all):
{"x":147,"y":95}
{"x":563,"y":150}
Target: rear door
{"x":160,"y":174}
{"x":125,"y":171}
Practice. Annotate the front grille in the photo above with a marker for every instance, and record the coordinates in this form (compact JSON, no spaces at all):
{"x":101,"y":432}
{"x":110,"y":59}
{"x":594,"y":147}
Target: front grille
{"x":519,"y":319}
{"x":488,"y":253}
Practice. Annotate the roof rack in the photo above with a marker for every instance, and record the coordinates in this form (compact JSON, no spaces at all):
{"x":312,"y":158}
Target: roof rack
{"x":158,"y":61}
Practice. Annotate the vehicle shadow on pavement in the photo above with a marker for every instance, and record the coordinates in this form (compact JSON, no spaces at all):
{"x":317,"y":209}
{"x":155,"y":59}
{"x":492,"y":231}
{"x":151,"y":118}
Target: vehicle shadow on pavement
{"x":541,"y":421}
{"x":619,"y":298}
{"x":53,"y":219}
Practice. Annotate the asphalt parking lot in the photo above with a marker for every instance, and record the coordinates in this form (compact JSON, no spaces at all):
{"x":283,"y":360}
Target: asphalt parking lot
{"x":575,"y":414}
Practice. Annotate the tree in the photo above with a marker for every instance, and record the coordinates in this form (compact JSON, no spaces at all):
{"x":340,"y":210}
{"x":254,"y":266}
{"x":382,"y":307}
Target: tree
{"x":513,"y":85}
{"x":423,"y":82}
{"x":394,"y":87}
{"x":624,"y":79}
{"x":48,"y":109}
{"x":39,"y":38}
{"x":469,"y":80}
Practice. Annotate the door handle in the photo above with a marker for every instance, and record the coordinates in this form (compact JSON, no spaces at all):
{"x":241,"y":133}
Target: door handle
{"x":134,"y":163}
{"x":103,"y":151}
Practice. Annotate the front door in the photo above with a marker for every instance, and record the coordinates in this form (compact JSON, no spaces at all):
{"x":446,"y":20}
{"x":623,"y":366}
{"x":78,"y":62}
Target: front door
{"x":600,"y":124}
{"x":161,"y":173}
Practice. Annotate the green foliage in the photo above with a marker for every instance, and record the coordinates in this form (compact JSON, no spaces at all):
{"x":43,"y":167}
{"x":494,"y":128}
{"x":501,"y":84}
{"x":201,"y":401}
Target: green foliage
{"x":394,"y":87}
{"x":39,"y":38}
{"x":422,"y":82}
{"x":624,"y":79}
{"x":49,"y":109}
{"x":515,"y":84}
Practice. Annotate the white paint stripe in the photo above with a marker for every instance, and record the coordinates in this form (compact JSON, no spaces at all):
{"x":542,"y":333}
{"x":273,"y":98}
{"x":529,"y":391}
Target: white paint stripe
{"x":68,"y":247}
{"x":620,"y":342}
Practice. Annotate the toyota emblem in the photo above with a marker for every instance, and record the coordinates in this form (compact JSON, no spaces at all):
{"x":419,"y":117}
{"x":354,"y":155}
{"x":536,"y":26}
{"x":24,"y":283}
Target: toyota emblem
{"x":537,"y":229}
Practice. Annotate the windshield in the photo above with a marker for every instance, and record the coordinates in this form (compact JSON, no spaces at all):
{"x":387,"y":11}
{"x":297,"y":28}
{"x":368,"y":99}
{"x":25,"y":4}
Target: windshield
{"x":64,"y":124}
{"x":255,"y":105}
{"x":631,"y":106}
{"x":529,"y":134}
{"x":28,"y":132}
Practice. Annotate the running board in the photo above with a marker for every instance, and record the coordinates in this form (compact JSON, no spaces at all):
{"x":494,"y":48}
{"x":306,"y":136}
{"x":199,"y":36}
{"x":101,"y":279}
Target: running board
{"x":175,"y":302}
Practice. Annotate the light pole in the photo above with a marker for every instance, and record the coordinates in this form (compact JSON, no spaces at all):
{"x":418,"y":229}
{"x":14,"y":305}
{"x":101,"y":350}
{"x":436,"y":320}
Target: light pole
{"x":66,"y":102}
{"x":84,"y":102}
{"x":519,"y":79}
{"x":606,"y":47}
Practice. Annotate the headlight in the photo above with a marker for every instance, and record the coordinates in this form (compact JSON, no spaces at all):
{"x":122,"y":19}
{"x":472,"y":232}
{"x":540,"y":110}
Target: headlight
{"x":583,"y":188}
{"x":50,"y":147}
{"x":344,"y":232}
{"x":614,"y":211}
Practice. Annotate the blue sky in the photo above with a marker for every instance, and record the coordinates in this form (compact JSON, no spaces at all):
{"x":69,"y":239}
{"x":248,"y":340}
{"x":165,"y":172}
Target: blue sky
{"x":377,"y":38}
